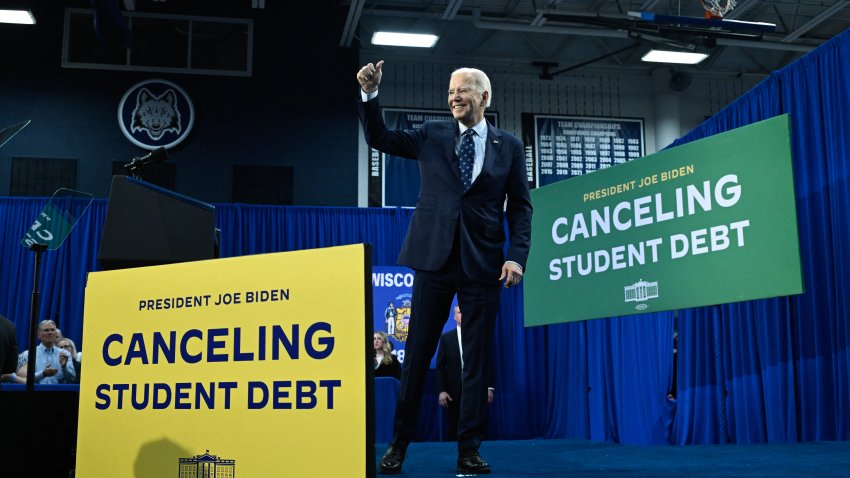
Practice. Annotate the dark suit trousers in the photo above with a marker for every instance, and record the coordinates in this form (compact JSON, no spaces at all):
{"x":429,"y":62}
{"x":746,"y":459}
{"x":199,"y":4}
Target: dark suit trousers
{"x":453,"y":415}
{"x":431,"y":303}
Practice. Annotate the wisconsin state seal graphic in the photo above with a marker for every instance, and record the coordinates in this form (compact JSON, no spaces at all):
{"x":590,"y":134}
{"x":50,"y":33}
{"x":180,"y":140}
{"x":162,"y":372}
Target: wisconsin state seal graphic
{"x":397,"y":317}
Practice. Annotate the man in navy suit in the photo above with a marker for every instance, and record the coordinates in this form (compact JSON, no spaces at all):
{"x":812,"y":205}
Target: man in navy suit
{"x":448,"y":374}
{"x":473,"y":176}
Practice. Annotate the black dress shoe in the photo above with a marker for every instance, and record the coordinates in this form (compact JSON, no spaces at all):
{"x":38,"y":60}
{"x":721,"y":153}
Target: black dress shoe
{"x":469,"y":461}
{"x":393,"y":458}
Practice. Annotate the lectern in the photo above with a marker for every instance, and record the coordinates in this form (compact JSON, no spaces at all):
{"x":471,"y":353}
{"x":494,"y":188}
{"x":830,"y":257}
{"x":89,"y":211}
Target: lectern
{"x":148,"y":225}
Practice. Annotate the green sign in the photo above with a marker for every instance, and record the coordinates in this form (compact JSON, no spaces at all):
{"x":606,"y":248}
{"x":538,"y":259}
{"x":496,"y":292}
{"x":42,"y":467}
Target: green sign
{"x":709,"y":222}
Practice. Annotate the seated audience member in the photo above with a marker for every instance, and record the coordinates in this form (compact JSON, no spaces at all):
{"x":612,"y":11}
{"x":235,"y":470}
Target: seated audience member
{"x":69,"y":345}
{"x":52,"y":364}
{"x":20,"y":375}
{"x":8,"y":346}
{"x":386,"y":364}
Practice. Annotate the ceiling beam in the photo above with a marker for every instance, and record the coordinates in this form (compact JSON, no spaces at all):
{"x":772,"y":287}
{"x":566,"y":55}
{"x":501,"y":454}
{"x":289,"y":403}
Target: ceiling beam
{"x":780,"y":17}
{"x":767,"y":45}
{"x":555,"y":29}
{"x":539,"y":19}
{"x":822,"y":17}
{"x":354,"y":12}
{"x":608,"y":33}
{"x":452,"y":9}
{"x":648,"y":5}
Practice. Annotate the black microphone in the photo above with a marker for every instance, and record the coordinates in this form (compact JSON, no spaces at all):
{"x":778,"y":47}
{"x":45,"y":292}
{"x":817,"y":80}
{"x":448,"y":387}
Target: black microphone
{"x":156,"y":156}
{"x":136,"y":164}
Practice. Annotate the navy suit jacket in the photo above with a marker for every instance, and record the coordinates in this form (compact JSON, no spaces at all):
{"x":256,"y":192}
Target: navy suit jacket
{"x":443,"y":206}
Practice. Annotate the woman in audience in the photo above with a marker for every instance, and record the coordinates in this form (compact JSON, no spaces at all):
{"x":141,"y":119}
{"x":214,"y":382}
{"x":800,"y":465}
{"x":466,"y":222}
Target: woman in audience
{"x":386,"y":364}
{"x":68,"y":344}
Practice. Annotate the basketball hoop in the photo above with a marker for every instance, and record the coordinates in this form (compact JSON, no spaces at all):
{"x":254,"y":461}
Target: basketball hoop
{"x":716,"y":9}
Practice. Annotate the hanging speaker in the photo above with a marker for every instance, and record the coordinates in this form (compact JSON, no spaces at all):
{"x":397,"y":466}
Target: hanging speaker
{"x":680,"y":81}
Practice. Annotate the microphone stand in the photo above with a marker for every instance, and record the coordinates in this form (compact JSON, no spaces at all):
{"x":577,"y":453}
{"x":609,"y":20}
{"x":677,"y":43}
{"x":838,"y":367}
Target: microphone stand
{"x":36,"y":295}
{"x":136,"y":165}
{"x":135,"y":171}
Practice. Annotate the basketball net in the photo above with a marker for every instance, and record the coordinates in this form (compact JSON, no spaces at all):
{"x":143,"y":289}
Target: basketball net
{"x":716,"y":9}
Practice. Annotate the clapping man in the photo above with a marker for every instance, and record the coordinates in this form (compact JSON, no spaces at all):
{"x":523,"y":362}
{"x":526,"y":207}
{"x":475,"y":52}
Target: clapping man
{"x":52,"y":364}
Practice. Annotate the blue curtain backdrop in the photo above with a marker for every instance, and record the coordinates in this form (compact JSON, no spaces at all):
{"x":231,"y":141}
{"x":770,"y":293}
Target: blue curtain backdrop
{"x":778,"y":370}
{"x":772,"y":370}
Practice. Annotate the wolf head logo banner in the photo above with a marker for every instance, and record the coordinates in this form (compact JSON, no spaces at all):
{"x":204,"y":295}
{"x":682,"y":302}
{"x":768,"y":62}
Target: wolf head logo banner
{"x":156,"y":113}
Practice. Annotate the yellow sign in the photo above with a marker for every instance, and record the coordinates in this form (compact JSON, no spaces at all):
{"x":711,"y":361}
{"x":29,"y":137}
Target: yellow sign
{"x":252,"y":366}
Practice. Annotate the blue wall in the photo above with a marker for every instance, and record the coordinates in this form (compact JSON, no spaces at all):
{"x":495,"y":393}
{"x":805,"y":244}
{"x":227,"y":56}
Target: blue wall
{"x":297,"y":110}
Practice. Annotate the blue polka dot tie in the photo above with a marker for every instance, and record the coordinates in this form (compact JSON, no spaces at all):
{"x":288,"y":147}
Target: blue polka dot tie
{"x":467,"y":158}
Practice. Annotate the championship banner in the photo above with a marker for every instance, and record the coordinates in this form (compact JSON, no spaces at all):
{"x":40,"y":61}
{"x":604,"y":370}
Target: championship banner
{"x":394,"y":181}
{"x":392,"y":289}
{"x":709,"y":222}
{"x":247,"y":366}
{"x":561,"y":147}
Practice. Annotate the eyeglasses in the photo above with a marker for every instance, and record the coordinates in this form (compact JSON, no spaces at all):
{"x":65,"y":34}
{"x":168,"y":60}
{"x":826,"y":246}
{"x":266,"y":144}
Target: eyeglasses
{"x":461,"y":91}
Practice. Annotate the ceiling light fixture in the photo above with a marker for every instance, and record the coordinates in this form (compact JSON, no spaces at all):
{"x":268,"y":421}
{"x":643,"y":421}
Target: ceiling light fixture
{"x":404,"y":39}
{"x":669,"y":56}
{"x":21,"y":17}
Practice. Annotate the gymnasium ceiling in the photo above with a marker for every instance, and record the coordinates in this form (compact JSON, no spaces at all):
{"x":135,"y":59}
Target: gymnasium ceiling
{"x":573,"y":35}
{"x":595,"y":34}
